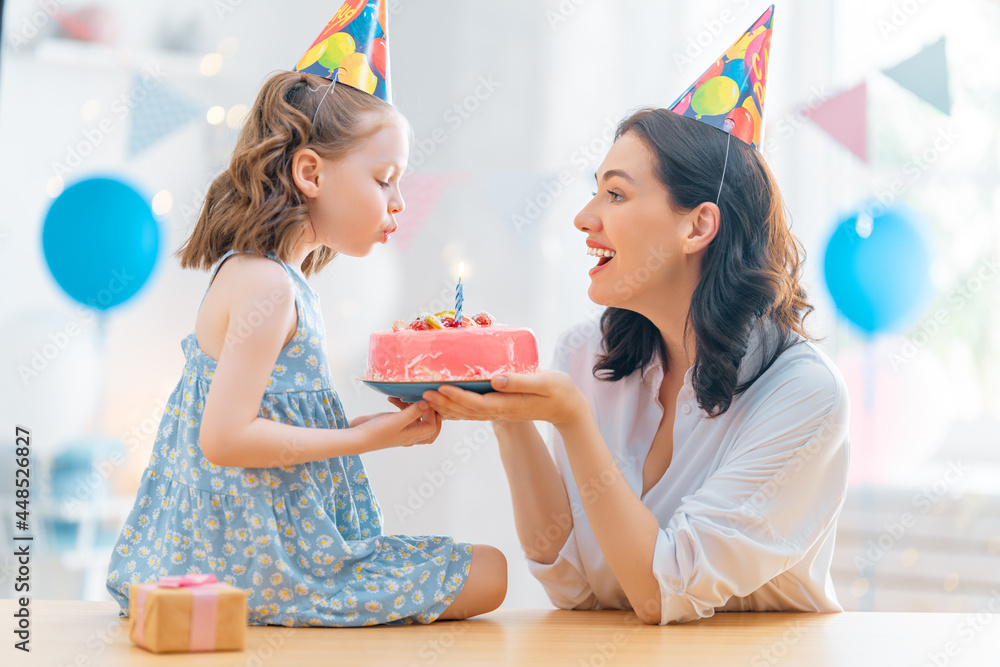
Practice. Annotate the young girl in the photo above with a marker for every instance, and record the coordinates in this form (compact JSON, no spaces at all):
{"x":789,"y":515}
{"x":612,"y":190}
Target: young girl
{"x":255,"y":474}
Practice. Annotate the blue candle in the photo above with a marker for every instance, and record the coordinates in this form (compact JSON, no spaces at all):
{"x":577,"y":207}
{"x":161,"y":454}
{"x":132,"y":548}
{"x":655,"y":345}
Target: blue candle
{"x":458,"y":296}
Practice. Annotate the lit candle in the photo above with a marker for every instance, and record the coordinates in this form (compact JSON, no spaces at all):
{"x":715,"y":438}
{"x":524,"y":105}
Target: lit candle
{"x":458,"y":296}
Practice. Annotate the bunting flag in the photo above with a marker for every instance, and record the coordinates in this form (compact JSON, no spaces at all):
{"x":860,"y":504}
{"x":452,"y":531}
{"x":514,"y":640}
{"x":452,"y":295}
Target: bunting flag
{"x":926,"y":76}
{"x":845,"y":118}
{"x":161,"y":111}
{"x":421,"y":193}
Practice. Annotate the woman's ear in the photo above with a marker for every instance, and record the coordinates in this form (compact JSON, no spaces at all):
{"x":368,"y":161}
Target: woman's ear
{"x":704,"y":225}
{"x":306,"y":165}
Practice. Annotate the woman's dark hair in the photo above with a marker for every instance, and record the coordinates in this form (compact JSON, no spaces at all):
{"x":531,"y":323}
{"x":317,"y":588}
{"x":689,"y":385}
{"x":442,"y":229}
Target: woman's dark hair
{"x":749,"y":272}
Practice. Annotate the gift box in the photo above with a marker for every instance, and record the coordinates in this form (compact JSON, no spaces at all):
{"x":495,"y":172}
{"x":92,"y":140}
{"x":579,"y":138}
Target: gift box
{"x":195,"y":612}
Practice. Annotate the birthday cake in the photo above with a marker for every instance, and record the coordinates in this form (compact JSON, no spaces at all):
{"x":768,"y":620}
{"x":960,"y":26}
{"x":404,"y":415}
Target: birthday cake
{"x":436,"y":348}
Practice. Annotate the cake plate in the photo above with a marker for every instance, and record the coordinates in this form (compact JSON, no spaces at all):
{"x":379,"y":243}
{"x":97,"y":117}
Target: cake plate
{"x":411,"y":392}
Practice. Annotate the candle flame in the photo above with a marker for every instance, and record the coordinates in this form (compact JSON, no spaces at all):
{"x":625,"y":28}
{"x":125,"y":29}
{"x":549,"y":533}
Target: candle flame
{"x":461,"y":270}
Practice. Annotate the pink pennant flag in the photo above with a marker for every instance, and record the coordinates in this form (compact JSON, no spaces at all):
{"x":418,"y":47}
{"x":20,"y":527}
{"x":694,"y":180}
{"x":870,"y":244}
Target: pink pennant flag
{"x":845,"y":118}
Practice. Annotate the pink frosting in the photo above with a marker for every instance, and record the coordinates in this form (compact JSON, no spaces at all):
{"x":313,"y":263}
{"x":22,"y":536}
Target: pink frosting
{"x":472,"y":353}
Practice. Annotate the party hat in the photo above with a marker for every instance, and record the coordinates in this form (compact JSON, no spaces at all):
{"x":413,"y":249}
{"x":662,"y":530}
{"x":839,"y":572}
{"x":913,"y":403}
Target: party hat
{"x":730,"y":94}
{"x":352,"y":48}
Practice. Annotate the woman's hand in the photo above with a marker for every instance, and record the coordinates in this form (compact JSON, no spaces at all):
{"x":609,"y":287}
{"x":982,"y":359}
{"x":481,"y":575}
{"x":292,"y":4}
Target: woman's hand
{"x":549,"y":396}
{"x":414,"y":424}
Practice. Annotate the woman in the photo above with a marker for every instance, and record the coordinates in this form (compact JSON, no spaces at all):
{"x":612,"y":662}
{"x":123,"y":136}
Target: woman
{"x":699,"y":438}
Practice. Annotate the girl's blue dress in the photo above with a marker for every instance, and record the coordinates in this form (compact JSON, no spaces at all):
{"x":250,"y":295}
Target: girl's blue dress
{"x":304,"y":540}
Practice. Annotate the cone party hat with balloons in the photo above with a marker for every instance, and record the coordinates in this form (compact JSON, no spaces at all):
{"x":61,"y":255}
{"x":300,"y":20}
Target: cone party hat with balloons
{"x":352,"y":49}
{"x":730,"y":94}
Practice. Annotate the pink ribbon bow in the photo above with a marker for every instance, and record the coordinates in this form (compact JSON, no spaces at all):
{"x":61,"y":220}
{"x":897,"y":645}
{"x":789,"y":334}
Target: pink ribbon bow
{"x":187,"y":580}
{"x":204,"y":588}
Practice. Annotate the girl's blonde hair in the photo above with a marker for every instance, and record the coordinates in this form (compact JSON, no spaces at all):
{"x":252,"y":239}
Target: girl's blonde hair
{"x":254,"y":205}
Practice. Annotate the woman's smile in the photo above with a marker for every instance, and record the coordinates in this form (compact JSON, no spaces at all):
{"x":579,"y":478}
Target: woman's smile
{"x":604,"y":253}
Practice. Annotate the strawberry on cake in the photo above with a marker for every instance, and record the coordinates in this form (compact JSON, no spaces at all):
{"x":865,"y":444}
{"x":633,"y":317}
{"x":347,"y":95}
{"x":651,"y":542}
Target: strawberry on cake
{"x":434,"y":348}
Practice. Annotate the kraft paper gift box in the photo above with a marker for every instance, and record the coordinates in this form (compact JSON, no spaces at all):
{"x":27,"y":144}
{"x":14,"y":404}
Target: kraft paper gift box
{"x":195,"y":612}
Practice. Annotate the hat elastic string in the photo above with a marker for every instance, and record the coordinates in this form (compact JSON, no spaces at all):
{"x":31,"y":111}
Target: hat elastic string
{"x":328,"y":87}
{"x":724,"y":165}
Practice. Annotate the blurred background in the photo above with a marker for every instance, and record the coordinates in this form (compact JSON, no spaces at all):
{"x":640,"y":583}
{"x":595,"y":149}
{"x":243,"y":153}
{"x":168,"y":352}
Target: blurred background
{"x":881,"y":127}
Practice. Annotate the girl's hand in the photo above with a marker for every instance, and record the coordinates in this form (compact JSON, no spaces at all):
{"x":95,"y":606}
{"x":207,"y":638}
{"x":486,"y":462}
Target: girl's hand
{"x":414,"y":424}
{"x":547,"y":396}
{"x":358,"y":421}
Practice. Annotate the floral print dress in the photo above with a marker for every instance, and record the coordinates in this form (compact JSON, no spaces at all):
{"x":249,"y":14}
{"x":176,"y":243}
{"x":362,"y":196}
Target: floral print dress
{"x":305,"y":541}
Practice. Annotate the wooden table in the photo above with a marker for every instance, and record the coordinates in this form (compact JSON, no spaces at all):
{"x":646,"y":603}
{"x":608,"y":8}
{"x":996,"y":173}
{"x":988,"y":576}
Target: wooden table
{"x":90,"y":633}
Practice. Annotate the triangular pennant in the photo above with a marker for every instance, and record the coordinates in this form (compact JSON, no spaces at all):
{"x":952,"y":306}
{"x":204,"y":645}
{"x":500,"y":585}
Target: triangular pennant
{"x":925,"y":75}
{"x":162,"y":110}
{"x":421,"y":194}
{"x":845,"y":118}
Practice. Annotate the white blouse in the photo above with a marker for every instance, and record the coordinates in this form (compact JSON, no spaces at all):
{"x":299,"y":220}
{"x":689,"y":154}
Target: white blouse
{"x":749,"y":503}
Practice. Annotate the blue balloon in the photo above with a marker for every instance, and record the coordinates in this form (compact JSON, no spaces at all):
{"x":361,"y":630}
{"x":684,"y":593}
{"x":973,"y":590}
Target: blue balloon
{"x":100,"y":240}
{"x":363,"y":28}
{"x":734,"y":69}
{"x":878,"y":269}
